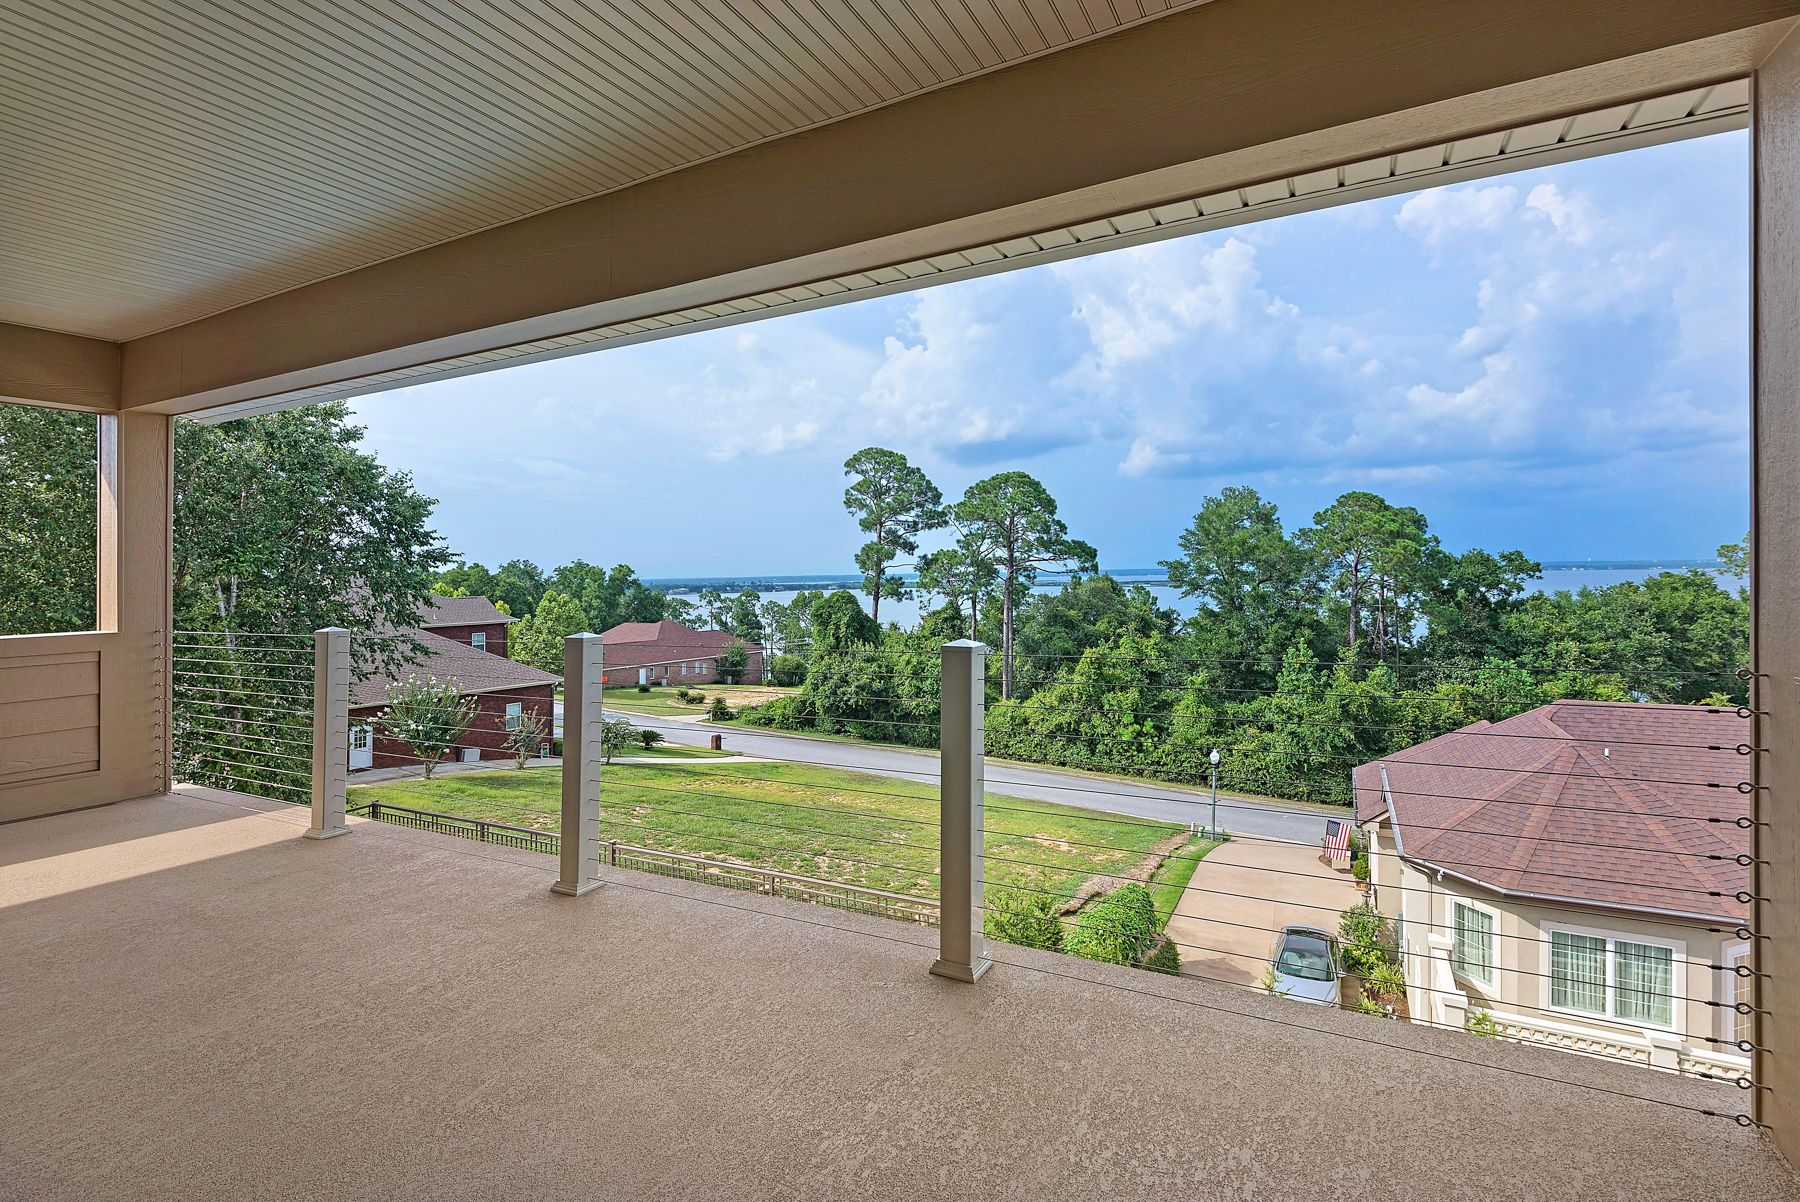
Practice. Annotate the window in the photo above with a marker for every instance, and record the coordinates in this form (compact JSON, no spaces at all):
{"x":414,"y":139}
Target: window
{"x":1473,"y":953}
{"x":1737,"y":1026}
{"x":359,"y":738}
{"x":1613,"y":978}
{"x":703,"y":667}
{"x":478,"y":640}
{"x":515,"y":711}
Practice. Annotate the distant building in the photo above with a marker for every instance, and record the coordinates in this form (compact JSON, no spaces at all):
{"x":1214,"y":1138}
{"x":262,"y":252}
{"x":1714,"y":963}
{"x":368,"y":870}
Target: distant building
{"x":461,"y":639}
{"x":1572,"y":873}
{"x":672,"y":654}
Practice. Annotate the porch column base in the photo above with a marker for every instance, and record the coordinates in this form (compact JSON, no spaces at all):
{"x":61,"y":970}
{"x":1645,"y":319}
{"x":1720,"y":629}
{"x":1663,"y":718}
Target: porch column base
{"x":953,"y":971}
{"x":576,"y":890}
{"x":330,"y":832}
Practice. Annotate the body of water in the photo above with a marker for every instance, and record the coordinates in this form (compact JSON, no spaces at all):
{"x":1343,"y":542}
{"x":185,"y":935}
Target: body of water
{"x":1556,"y":578}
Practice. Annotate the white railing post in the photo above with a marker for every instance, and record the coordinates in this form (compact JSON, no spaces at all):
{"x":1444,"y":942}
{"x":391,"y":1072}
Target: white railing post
{"x":962,"y":951}
{"x":583,"y":660}
{"x":331,"y":732}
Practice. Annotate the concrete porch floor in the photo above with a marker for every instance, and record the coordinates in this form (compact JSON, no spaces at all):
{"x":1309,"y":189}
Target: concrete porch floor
{"x":196,"y":1003}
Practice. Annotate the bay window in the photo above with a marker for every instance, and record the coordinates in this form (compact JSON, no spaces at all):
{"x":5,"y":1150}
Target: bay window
{"x":1610,"y":977}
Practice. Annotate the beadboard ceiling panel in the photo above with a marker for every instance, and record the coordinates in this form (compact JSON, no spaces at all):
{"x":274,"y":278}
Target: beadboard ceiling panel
{"x":165,"y":160}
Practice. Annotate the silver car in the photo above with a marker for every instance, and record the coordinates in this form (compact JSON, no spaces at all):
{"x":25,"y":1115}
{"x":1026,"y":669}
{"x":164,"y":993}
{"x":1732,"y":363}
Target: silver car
{"x":1305,"y":966}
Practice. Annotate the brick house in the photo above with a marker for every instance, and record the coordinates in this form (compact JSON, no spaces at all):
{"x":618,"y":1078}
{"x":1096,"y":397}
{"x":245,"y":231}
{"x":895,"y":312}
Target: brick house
{"x":461,"y":639}
{"x":672,"y":654}
{"x":474,"y":621}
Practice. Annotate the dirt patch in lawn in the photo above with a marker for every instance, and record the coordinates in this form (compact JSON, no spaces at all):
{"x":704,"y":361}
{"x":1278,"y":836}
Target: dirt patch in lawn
{"x":1140,"y":872}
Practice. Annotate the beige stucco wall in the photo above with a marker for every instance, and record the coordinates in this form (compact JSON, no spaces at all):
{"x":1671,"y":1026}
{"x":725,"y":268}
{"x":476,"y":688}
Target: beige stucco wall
{"x":1423,"y":904}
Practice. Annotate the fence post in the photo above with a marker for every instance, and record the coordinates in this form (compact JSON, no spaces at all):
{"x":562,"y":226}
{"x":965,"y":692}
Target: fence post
{"x":962,"y":952}
{"x":583,"y":658}
{"x":331,"y":732}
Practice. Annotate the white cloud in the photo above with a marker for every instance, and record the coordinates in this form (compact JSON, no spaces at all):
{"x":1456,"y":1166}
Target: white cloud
{"x":1437,"y":216}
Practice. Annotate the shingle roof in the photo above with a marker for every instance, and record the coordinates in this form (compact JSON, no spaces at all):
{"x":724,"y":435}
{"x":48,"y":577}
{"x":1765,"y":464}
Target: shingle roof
{"x":460,"y":611}
{"x":1599,"y":802}
{"x":630,"y":644}
{"x":475,"y":671}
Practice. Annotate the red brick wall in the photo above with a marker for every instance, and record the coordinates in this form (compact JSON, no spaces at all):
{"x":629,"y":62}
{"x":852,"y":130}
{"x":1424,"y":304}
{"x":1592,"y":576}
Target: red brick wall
{"x":625,"y":675}
{"x":495,"y":631}
{"x":487,"y":731}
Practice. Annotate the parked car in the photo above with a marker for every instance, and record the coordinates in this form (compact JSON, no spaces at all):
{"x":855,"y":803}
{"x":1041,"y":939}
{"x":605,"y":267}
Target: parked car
{"x":1305,"y":966}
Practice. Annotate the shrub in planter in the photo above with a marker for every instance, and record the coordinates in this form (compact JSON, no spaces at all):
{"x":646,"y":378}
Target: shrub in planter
{"x":1026,"y":919}
{"x":1117,"y":929}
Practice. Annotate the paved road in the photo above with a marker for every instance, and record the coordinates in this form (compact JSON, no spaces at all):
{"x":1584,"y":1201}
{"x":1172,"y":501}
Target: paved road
{"x":1162,"y":802}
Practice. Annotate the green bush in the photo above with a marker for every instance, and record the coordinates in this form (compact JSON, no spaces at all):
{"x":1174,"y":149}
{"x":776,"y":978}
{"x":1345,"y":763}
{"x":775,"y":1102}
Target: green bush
{"x":787,"y":670}
{"x":1366,"y":939}
{"x":1117,"y":929}
{"x":783,"y":713}
{"x":1025,"y":919}
{"x":720,"y":711}
{"x":1359,"y":865}
{"x":1483,"y":1024}
{"x":643,"y":688}
{"x":649,"y":738}
{"x":1387,"y":982}
{"x":1165,"y":959}
{"x":696,"y":698}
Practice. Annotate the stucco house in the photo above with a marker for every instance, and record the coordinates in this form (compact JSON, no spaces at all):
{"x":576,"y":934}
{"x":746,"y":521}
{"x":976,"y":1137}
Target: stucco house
{"x":461,"y":639}
{"x":1571,"y":877}
{"x":672,"y":654}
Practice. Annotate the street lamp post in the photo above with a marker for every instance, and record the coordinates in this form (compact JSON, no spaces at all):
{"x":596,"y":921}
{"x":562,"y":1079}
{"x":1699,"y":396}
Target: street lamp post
{"x":1214,"y":757}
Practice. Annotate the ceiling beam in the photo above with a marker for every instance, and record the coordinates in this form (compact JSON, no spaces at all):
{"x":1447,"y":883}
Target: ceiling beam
{"x":60,"y":371}
{"x":1217,"y":96}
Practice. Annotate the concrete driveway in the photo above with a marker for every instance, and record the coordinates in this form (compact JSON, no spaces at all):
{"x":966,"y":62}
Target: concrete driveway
{"x":1242,"y":894}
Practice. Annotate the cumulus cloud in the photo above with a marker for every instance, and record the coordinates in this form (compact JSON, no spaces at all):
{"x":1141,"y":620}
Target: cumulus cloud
{"x":1442,"y":214}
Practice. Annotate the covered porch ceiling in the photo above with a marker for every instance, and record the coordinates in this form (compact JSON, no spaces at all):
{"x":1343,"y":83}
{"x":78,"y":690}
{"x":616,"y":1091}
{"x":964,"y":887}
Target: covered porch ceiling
{"x":230,"y":210}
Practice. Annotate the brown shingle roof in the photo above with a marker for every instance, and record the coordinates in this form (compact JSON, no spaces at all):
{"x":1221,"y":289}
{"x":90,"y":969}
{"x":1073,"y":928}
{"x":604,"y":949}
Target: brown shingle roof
{"x":1605,"y":803}
{"x":460,"y":611}
{"x":475,"y":671}
{"x":630,"y":644}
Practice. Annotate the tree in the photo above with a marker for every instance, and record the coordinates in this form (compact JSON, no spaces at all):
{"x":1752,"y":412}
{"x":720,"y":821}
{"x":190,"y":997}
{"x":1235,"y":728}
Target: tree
{"x":282,"y":524}
{"x":962,"y":575}
{"x":1053,"y":630}
{"x":743,"y":617}
{"x":838,"y":621}
{"x":1468,"y":599}
{"x":678,"y":609}
{"x":609,"y":596}
{"x":48,"y":469}
{"x":1259,"y":591}
{"x":893,"y":502}
{"x":714,"y":608}
{"x":649,"y":738}
{"x":1375,"y":553}
{"x":428,"y":715}
{"x":525,"y":739}
{"x":733,"y":659}
{"x":1011,"y":520}
{"x":520,"y":584}
{"x":538,"y":639}
{"x":464,"y":580}
{"x":616,"y":736}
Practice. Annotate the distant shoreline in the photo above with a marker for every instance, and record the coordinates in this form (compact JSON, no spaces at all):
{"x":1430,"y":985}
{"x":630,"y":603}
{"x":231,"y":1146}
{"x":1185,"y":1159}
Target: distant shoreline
{"x":795,"y":582}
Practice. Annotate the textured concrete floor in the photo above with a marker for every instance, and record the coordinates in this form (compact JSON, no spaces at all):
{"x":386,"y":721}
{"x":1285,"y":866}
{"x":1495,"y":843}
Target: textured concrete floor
{"x":195,"y":1003}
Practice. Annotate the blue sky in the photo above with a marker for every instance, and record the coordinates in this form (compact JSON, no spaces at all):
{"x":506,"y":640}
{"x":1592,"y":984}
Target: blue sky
{"x":1555,"y":361}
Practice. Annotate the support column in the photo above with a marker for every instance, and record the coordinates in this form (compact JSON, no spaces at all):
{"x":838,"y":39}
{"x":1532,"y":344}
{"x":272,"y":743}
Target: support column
{"x":331,"y":732}
{"x":962,"y":950}
{"x":583,"y":661}
{"x":1775,"y":591}
{"x":134,"y":546}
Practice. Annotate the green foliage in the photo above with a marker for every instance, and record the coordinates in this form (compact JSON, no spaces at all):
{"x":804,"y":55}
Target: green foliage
{"x":1022,"y":918}
{"x":649,"y":738}
{"x":47,"y":466}
{"x":1271,"y":983}
{"x":616,"y":736}
{"x":893,"y":502}
{"x":1364,"y":1004}
{"x":720,"y":712}
{"x":743,"y":617}
{"x":1483,"y":1023}
{"x":1365,"y":939}
{"x":1386,"y":982}
{"x":428,"y":715}
{"x":787,"y":670}
{"x":538,"y":639}
{"x":608,"y":597}
{"x":643,"y":687}
{"x":527,"y":738}
{"x":1119,"y":928}
{"x":1165,"y":959}
{"x":838,"y":622}
{"x":732,"y":660}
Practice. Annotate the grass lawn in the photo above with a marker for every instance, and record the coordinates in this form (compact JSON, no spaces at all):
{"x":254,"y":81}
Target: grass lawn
{"x":841,"y":826}
{"x":661,"y":701}
{"x":668,"y":751}
{"x":1171,"y":880}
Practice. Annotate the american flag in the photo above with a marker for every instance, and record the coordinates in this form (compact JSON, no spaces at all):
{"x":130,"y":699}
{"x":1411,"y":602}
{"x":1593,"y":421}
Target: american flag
{"x":1337,"y":841}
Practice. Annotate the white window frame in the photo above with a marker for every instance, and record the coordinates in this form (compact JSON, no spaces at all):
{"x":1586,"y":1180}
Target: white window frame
{"x":1493,"y":916}
{"x":1677,"y":977}
{"x":701,"y":667}
{"x":515,"y":715}
{"x":478,"y":640}
{"x":362,"y":736}
{"x":1738,"y":1026}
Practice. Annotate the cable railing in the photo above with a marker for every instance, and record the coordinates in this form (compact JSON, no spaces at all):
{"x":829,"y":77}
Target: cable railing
{"x":1591,"y":893}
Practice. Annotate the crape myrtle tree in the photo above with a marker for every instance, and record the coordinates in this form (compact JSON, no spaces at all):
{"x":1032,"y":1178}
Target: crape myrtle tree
{"x":893,"y":502}
{"x":1010,"y":520}
{"x":428,"y":715}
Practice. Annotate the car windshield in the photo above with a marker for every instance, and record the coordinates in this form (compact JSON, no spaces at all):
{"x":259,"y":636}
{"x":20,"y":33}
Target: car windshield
{"x":1304,"y":956}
